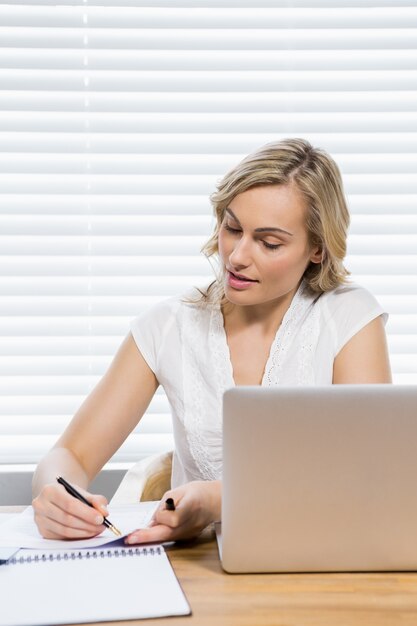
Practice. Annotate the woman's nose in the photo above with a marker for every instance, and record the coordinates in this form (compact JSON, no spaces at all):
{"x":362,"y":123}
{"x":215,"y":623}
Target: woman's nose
{"x":240,"y":255}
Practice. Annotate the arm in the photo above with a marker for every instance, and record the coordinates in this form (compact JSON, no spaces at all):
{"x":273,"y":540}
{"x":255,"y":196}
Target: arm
{"x":364,"y":358}
{"x":97,"y":430}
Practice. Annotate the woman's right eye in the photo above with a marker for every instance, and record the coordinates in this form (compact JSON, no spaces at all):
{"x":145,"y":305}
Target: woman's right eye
{"x":230,"y":229}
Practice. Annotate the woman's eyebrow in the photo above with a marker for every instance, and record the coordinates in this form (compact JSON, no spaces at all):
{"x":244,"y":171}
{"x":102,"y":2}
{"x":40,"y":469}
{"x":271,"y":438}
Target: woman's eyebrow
{"x":272,"y":229}
{"x":264,"y":229}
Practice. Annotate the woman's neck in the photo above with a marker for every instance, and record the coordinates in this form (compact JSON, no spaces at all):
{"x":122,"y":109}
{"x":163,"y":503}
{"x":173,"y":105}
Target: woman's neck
{"x":266,"y":316}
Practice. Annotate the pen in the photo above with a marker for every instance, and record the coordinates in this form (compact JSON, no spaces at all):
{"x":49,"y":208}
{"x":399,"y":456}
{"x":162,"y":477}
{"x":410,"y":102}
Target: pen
{"x":170,"y":504}
{"x":73,"y":492}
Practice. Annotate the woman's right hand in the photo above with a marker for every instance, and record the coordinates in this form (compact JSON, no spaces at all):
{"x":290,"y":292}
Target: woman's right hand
{"x":58,"y":515}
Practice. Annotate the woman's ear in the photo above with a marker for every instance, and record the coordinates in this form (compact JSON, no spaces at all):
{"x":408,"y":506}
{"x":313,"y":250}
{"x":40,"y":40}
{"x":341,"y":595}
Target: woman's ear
{"x":317,"y":255}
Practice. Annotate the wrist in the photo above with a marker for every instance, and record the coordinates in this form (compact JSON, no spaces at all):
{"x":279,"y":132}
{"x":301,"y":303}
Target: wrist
{"x":215,"y":488}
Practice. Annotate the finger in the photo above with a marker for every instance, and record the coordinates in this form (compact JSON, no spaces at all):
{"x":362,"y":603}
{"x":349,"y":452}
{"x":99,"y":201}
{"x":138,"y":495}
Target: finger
{"x":156,"y":534}
{"x":98,"y":501}
{"x":77,"y":508}
{"x":173,"y":519}
{"x":66,"y":518}
{"x":56,"y":517}
{"x":68,"y":512}
{"x":55,"y":531}
{"x":100,"y":504}
{"x":51,"y":529}
{"x":155,"y":519}
{"x":59,"y":524}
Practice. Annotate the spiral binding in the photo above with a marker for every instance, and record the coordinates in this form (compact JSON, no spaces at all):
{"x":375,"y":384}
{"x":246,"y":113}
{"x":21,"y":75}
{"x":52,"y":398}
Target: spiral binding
{"x":85,"y":554}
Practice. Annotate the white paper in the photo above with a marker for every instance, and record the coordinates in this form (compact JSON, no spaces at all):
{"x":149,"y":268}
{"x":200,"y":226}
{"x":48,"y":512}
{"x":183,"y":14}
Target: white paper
{"x":22,"y":532}
{"x":116,"y":585}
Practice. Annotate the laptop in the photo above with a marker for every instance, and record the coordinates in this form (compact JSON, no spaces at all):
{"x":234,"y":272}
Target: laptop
{"x":319,"y":479}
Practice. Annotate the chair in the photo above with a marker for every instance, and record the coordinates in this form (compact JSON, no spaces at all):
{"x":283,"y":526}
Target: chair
{"x":147,"y":480}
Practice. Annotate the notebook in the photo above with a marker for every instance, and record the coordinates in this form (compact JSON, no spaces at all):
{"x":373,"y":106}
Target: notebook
{"x":319,"y":479}
{"x":94,"y":585}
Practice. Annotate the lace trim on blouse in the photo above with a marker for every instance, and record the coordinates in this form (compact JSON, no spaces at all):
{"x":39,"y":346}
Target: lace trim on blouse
{"x":301,"y":318}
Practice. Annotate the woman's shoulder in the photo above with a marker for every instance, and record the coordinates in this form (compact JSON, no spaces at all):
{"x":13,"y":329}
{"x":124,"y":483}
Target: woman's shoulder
{"x":173,"y":305}
{"x":350,"y":300}
{"x":158,"y":309}
{"x":349,"y":292}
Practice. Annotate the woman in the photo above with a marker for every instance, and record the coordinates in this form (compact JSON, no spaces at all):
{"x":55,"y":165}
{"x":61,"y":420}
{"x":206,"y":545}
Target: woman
{"x":280,"y":312}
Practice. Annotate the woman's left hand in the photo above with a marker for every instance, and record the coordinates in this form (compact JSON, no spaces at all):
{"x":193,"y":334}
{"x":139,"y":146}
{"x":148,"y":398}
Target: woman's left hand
{"x":197,"y":504}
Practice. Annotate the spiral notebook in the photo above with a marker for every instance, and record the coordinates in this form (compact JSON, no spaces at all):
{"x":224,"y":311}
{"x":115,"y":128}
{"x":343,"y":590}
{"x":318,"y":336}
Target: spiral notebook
{"x":95,"y":585}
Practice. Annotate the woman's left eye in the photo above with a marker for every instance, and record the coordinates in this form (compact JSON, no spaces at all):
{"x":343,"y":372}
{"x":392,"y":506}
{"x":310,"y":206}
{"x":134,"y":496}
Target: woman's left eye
{"x":271,"y":246}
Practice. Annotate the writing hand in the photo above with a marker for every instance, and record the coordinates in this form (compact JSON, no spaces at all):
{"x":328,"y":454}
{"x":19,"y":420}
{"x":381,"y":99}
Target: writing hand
{"x":58,"y":515}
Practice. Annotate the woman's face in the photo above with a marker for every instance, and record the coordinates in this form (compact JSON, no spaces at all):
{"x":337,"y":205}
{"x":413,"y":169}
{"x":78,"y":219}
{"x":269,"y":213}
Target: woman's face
{"x":263,"y":244}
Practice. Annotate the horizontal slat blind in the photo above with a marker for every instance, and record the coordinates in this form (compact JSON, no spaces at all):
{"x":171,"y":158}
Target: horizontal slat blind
{"x":118,"y":118}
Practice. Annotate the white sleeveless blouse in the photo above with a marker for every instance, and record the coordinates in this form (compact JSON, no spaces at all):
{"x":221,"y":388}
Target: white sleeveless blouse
{"x":185,"y":346}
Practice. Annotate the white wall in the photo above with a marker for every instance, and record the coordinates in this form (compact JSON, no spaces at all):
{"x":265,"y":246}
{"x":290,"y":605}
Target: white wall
{"x":16,"y":483}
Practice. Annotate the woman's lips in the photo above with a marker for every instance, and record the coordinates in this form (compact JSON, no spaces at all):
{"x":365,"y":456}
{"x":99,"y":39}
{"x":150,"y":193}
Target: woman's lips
{"x":237,"y":281}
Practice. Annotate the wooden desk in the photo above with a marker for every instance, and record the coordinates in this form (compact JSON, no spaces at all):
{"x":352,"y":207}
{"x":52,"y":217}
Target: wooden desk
{"x":223,"y":599}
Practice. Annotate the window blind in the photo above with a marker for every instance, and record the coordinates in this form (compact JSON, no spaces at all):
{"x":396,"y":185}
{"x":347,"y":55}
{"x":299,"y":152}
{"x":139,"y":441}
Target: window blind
{"x":118,"y":118}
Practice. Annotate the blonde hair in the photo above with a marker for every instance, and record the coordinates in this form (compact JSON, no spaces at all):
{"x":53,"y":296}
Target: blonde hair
{"x":317,"y":177}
